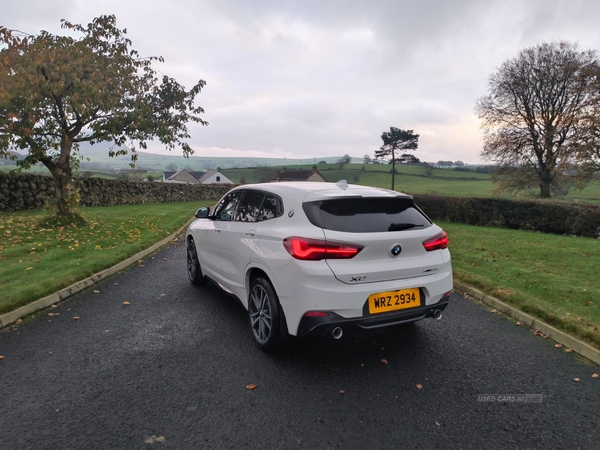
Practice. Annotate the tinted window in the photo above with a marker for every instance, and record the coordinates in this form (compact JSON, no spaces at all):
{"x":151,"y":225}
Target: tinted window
{"x":270,"y":208}
{"x":226,"y":207}
{"x":256,"y":206}
{"x":366,"y":215}
{"x":249,"y":207}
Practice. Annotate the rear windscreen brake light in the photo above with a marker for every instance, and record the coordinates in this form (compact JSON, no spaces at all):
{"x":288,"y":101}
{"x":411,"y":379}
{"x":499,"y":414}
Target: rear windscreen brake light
{"x":317,"y":249}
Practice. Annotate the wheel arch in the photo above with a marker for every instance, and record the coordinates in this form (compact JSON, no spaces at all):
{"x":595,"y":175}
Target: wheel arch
{"x":188,"y":238}
{"x":252,"y":274}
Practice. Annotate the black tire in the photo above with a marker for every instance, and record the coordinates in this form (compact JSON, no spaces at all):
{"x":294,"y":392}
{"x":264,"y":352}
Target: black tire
{"x":193,"y":264}
{"x":264,"y":315}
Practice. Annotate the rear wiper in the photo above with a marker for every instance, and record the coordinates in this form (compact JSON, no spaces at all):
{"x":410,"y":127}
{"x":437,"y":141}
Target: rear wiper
{"x":402,"y":226}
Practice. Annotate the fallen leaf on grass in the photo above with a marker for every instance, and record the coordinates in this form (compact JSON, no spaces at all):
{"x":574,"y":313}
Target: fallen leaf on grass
{"x":17,"y":322}
{"x":342,"y":391}
{"x":384,"y":361}
{"x":569,"y":350}
{"x":579,"y":319}
{"x":494,"y":311}
{"x":126,"y":303}
{"x":251,"y":386}
{"x":577,"y":380}
{"x":419,"y":386}
{"x":558,"y":345}
{"x":594,"y":375}
{"x":519,"y":323}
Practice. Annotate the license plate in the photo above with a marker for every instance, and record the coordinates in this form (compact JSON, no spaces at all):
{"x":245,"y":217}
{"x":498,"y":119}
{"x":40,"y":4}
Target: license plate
{"x":394,"y":300}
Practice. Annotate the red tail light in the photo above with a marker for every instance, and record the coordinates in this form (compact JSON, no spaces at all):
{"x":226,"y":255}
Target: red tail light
{"x":439,"y":242}
{"x":316,"y":249}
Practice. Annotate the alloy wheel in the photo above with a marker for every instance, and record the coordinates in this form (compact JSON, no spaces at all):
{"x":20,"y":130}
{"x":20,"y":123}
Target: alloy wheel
{"x":261,"y":314}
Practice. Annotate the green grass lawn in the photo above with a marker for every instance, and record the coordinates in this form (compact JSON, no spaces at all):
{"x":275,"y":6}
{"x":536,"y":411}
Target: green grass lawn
{"x":37,"y":261}
{"x":555,"y":278}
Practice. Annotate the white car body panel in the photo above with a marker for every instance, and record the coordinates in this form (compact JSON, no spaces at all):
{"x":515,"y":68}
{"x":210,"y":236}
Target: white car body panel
{"x":229,"y":255}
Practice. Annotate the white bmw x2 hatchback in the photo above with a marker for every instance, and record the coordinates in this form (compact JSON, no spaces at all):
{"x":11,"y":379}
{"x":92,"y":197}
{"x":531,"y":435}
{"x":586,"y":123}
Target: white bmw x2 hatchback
{"x":319,"y":258}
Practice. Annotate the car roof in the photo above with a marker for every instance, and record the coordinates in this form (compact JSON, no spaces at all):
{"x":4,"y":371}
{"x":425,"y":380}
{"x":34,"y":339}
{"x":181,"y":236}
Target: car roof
{"x":319,"y":190}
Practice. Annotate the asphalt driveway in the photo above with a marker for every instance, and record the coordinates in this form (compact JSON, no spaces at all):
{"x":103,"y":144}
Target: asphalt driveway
{"x":171,"y":370}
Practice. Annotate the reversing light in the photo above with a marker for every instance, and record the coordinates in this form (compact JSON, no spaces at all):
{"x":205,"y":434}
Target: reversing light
{"x":439,"y":242}
{"x":317,"y":249}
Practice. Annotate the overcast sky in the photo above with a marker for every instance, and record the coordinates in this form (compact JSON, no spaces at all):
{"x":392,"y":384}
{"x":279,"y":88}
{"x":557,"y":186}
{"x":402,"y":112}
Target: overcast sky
{"x":319,"y":78}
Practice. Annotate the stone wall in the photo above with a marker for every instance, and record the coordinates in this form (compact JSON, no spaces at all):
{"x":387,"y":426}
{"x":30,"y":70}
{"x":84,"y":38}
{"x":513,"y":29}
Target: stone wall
{"x":28,"y":191}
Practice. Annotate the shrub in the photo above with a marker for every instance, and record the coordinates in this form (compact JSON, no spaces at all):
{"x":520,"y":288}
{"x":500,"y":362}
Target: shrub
{"x":544,"y":216}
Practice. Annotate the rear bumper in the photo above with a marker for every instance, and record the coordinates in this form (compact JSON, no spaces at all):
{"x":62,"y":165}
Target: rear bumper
{"x":322,"y":326}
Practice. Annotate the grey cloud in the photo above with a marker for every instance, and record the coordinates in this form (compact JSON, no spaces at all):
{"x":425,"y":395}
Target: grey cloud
{"x":322,"y":78}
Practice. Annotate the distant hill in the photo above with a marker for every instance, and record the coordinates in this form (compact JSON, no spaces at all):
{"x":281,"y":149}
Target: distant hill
{"x":99,"y":159}
{"x":95,"y":157}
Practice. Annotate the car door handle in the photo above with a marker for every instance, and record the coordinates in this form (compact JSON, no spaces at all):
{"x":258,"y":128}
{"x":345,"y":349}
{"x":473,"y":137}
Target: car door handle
{"x":249,"y":233}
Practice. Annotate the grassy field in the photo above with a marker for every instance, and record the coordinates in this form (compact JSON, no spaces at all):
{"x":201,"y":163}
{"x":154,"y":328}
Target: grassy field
{"x":36,"y":261}
{"x":409,"y":179}
{"x":413,"y":180}
{"x":555,"y":278}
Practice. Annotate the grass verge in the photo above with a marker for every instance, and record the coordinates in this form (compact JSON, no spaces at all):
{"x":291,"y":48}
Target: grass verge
{"x":554,"y":278}
{"x":37,"y":260}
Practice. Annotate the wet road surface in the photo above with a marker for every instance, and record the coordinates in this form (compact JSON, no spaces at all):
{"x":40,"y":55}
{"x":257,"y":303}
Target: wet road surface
{"x":170,"y":371}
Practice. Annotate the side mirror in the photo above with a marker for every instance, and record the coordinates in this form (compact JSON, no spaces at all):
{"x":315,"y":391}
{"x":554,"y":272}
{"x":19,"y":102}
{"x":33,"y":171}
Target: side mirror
{"x":202,"y":213}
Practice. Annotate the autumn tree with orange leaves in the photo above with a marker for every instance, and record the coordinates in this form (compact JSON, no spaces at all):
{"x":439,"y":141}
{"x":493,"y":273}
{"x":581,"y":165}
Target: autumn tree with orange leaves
{"x":57,"y":91}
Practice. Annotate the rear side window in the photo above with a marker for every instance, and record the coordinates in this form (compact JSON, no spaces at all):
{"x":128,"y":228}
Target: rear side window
{"x":270,"y":208}
{"x":257,"y":206}
{"x":249,"y":207}
{"x":366,"y":215}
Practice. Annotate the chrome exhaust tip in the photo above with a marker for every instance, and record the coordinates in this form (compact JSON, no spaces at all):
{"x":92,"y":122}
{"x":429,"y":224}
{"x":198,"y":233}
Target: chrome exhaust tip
{"x":437,"y":315}
{"x":337,"y":333}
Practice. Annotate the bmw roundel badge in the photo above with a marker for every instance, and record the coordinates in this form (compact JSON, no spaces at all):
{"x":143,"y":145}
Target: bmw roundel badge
{"x":291,"y":213}
{"x":396,"y":249}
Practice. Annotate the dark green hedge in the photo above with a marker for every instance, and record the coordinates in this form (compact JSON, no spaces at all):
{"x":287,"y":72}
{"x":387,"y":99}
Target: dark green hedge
{"x":545,"y":216}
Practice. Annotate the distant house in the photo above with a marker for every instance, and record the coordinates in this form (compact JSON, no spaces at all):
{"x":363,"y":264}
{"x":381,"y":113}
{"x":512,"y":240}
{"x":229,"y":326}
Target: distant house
{"x":194,"y":177}
{"x":298,"y":175}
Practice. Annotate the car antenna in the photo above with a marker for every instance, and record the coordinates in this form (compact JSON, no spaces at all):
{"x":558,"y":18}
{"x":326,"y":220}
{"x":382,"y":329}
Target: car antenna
{"x":342,"y":184}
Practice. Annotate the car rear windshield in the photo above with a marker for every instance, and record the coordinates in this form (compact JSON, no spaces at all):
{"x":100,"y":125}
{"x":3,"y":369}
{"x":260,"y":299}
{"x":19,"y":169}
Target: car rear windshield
{"x":366,"y":215}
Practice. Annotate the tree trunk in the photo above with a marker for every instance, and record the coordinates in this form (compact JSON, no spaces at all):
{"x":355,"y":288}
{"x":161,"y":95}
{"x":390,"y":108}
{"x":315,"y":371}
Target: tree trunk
{"x":62,"y":183}
{"x":393,"y":170}
{"x":61,"y":174}
{"x":545,"y":180}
